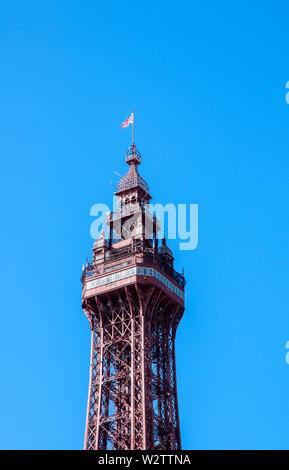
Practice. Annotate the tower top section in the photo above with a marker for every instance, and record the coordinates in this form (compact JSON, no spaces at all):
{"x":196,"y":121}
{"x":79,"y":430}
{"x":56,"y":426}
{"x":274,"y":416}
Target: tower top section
{"x":133,"y":155}
{"x":132,"y":179}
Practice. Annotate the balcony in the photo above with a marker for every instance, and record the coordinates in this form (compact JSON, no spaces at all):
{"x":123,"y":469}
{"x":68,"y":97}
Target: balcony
{"x":137,"y":248}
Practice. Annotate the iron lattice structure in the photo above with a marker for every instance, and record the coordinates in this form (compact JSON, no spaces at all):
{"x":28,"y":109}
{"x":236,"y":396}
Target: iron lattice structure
{"x":134,"y":301}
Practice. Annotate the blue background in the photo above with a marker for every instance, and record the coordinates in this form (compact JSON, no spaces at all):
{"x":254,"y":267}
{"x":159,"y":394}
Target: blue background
{"x":207,"y":81}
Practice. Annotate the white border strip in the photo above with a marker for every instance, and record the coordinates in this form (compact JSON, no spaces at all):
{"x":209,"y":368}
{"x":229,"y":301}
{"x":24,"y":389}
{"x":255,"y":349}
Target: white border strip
{"x":140,"y":271}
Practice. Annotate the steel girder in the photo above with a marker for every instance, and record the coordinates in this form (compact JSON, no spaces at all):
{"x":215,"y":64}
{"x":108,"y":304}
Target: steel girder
{"x":132,"y":402}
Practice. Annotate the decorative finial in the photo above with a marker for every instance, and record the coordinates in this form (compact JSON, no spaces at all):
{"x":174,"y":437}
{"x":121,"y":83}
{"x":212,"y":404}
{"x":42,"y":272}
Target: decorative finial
{"x":133,"y":156}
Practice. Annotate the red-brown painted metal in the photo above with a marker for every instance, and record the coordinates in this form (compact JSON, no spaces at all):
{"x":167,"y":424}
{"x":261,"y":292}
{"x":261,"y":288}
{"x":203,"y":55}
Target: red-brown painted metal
{"x":134,"y":301}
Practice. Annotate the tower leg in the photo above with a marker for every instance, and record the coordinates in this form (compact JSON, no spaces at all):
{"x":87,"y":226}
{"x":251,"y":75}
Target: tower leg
{"x":132,"y":400}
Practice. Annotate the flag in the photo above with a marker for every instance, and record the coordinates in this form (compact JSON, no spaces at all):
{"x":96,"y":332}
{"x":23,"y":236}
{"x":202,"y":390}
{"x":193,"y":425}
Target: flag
{"x":128,"y":121}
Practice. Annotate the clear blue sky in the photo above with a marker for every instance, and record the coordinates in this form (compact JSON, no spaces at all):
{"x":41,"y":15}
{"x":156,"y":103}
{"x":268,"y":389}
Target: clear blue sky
{"x":207,"y":81}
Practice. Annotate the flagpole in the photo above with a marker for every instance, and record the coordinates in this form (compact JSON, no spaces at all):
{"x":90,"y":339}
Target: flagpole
{"x":133,"y":128}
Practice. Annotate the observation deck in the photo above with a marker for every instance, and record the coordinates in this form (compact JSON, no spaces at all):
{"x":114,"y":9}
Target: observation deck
{"x":129,"y":263}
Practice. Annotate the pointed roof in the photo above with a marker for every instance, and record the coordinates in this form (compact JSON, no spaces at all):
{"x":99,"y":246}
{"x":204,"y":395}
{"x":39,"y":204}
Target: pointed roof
{"x":132,"y":179}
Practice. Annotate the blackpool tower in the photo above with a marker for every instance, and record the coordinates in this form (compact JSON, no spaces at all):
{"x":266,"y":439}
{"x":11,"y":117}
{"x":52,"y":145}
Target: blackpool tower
{"x":134,"y":301}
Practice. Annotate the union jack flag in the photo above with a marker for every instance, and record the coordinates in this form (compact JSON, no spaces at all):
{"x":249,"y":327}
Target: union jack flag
{"x":128,"y":121}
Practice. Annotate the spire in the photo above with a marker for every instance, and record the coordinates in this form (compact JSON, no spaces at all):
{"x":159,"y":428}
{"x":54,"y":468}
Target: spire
{"x":132,"y":179}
